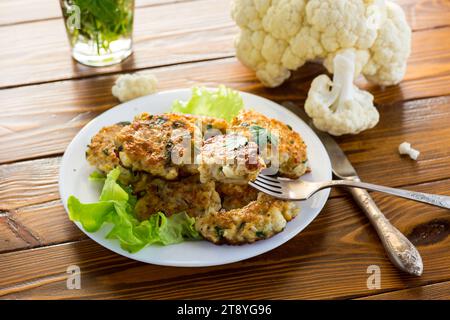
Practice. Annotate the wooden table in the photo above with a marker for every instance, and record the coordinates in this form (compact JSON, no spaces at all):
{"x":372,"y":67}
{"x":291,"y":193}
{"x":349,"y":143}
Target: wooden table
{"x":46,"y":98}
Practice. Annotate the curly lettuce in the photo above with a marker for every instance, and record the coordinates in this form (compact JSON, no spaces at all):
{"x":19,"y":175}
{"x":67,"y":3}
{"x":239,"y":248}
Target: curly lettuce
{"x":116,"y":206}
{"x":225,"y":103}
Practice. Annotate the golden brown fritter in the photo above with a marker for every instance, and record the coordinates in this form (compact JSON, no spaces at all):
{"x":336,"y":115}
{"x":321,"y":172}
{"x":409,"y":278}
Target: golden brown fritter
{"x":101,"y":152}
{"x":170,"y":197}
{"x":156,"y":156}
{"x":159,"y":145}
{"x":164,"y":145}
{"x":260,"y":219}
{"x":229,"y":158}
{"x":235,"y":195}
{"x":215,"y":125}
{"x":291,"y":148}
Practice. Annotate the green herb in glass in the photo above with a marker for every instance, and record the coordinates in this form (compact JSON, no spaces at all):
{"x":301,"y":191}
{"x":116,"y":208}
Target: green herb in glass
{"x":99,"y":31}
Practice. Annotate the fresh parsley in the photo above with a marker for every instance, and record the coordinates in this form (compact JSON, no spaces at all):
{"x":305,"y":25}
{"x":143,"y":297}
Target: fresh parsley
{"x":101,"y":21}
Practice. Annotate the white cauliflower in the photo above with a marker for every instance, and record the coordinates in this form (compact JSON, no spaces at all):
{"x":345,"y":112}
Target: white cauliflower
{"x":338,"y":106}
{"x":405,"y":148}
{"x":131,"y":86}
{"x":278,"y":36}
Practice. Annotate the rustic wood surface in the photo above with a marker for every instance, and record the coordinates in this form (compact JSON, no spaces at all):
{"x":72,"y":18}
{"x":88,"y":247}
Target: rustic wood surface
{"x":47,"y":98}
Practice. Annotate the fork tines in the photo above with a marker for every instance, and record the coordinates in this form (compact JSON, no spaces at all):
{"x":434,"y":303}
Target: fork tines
{"x":267,"y":185}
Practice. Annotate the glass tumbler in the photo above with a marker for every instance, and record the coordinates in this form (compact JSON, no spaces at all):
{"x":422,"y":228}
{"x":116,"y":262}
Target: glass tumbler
{"x":99,"y":31}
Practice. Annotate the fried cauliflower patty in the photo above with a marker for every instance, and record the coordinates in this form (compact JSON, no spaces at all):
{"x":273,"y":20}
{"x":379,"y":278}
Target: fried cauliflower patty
{"x":101,"y":152}
{"x":150,"y":143}
{"x":170,"y":197}
{"x":260,"y":219}
{"x":210,"y":126}
{"x":163,"y":145}
{"x":291,"y":148}
{"x":235,"y":195}
{"x":156,"y":154}
{"x":229,"y":158}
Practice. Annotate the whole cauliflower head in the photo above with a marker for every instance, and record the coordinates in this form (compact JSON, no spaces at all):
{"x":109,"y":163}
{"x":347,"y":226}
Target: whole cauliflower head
{"x":338,"y":106}
{"x":278,"y":36}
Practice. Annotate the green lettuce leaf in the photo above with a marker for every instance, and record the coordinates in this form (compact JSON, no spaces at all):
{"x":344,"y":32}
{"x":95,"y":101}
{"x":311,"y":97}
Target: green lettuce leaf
{"x":116,"y":206}
{"x":224,"y":103}
{"x":97,"y":176}
{"x":91,"y":215}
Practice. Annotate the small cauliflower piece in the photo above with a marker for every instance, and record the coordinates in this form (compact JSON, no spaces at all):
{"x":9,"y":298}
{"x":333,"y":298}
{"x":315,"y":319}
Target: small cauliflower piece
{"x":405,"y":148}
{"x":345,"y":108}
{"x":131,"y":86}
{"x":230,"y":158}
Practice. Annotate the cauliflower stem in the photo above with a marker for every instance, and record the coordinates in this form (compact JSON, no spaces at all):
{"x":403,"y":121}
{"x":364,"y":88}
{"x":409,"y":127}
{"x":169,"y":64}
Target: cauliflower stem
{"x":338,"y":106}
{"x":342,"y":88}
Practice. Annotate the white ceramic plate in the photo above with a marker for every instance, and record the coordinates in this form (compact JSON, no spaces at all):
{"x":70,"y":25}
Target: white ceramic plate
{"x":74,"y":172}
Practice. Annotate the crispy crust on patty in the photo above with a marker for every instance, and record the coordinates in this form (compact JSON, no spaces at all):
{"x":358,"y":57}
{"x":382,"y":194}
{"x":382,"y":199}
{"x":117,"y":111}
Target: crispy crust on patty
{"x":101,"y":152}
{"x":260,"y":219}
{"x":224,"y":212}
{"x":235,"y":196}
{"x":170,"y":197}
{"x":150,"y":143}
{"x":291,"y":147}
{"x":163,"y":145}
{"x":229,"y":158}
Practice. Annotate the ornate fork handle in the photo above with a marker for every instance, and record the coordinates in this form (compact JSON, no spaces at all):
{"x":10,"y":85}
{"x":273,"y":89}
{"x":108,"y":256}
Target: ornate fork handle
{"x":433,"y":199}
{"x":399,"y":249}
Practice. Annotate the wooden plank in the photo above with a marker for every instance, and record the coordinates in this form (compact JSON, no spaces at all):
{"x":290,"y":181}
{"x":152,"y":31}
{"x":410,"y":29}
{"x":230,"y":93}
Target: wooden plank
{"x":48,"y":223}
{"x":9,"y":238}
{"x":421,"y":14}
{"x":160,"y":38}
{"x":22,"y":11}
{"x":426,"y":14}
{"x":59,"y":119}
{"x":430,"y":54}
{"x":165,"y":39}
{"x":435,"y":291}
{"x":409,"y":90}
{"x":427,"y":73}
{"x":37,"y":225}
{"x":59,"y":110}
{"x":424,"y":123}
{"x":28,"y":183}
{"x":329,"y":259}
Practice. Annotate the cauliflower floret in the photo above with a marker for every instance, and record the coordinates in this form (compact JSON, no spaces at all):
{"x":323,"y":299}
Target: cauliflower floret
{"x":303,"y":47}
{"x":266,"y":28}
{"x":284,"y":18}
{"x":342,"y":24}
{"x":292,"y":32}
{"x":391,"y":49}
{"x":405,"y":148}
{"x":247,"y":13}
{"x":345,"y":108}
{"x":131,"y":86}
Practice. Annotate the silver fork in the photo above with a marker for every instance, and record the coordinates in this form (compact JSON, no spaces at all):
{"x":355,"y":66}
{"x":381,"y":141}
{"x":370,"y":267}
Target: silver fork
{"x":286,"y":189}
